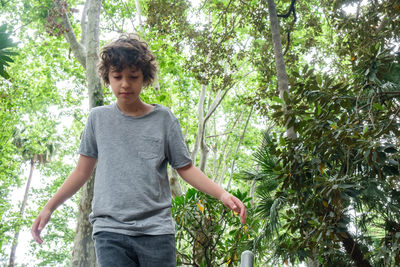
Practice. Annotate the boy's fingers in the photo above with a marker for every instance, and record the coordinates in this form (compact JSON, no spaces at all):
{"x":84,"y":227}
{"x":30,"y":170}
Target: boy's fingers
{"x":232,"y":205}
{"x":243,"y":214}
{"x":34,"y":227}
{"x":241,"y":210}
{"x":235,"y":205}
{"x":37,"y":227}
{"x":42,"y":224}
{"x":38,"y":240}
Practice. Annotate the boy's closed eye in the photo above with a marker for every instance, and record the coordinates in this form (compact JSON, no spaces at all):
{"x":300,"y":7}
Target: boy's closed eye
{"x":119,"y":77}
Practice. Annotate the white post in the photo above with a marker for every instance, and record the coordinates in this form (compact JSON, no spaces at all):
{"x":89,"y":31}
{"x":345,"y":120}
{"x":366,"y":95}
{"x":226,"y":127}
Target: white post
{"x":247,"y":259}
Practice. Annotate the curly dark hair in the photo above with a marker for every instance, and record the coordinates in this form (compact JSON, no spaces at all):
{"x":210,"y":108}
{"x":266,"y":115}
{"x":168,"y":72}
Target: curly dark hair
{"x":127,"y":51}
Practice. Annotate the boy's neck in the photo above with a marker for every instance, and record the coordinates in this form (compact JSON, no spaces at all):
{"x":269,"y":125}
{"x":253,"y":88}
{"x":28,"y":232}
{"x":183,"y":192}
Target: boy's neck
{"x":137,"y":110}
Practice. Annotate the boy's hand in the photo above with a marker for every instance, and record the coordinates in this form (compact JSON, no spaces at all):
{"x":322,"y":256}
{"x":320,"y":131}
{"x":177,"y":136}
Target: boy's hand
{"x":234,"y":204}
{"x":38,"y":225}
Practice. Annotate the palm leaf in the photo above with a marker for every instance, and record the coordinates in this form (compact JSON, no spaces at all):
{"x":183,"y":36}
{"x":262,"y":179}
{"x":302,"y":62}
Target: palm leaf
{"x":6,"y":43}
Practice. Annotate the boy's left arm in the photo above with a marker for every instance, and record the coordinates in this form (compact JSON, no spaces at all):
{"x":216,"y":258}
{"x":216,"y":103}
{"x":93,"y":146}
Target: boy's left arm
{"x":200,"y":181}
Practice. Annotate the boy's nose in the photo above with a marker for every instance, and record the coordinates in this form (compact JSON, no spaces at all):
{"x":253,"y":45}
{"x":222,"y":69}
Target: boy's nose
{"x":124,"y":83}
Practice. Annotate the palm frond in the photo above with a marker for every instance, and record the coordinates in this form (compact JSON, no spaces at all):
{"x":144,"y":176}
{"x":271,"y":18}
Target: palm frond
{"x":6,"y":43}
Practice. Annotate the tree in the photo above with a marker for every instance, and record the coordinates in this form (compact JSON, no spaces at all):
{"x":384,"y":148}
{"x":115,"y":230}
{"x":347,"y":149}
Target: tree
{"x":37,"y":152}
{"x":218,"y":69}
{"x":227,"y":74}
{"x":8,"y":113}
{"x":321,"y":183}
{"x":55,"y":18}
{"x":283,"y":83}
{"x":27,"y":93}
{"x":86,"y":53}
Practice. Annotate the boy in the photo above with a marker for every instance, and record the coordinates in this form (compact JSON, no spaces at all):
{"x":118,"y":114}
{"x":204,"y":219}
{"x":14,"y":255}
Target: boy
{"x":132,"y":142}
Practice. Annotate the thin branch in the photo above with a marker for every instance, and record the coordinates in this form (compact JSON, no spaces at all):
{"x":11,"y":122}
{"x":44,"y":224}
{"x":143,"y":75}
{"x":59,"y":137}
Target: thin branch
{"x":238,"y":146}
{"x":370,"y":112}
{"x":390,"y":94}
{"x":26,"y":24}
{"x":228,"y":132}
{"x":129,"y":12}
{"x":204,"y":4}
{"x":358,"y":97}
{"x":217,"y":101}
{"x":391,"y":121}
{"x":113,"y":22}
{"x":220,"y":16}
{"x":216,"y":135}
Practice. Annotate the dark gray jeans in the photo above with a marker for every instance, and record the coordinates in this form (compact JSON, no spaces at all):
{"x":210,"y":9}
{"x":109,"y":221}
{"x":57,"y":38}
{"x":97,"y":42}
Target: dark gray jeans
{"x":114,"y":249}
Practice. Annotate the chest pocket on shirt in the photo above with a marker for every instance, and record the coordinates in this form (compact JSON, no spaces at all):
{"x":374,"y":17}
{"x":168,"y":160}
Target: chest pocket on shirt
{"x":149,"y":147}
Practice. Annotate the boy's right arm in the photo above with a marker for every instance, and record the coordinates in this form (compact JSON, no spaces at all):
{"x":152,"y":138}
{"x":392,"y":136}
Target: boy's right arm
{"x":72,"y":184}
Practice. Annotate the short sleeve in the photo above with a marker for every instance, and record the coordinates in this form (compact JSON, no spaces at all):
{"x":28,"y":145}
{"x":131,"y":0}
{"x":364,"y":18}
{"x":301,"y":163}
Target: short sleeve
{"x":177,"y":152}
{"x":88,"y":146}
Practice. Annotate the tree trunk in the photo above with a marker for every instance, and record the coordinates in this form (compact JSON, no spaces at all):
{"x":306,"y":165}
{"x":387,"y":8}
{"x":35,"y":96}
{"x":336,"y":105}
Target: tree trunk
{"x":204,"y":154}
{"x":200,"y":116}
{"x":92,"y":55}
{"x":83,"y":254}
{"x":22,"y":212}
{"x":139,"y":17}
{"x":201,"y":134}
{"x":175,"y":187}
{"x":283,"y":83}
{"x":237,"y":148}
{"x":86,"y":53}
{"x":313,"y":262}
{"x":224,"y":166}
{"x":353,"y":250}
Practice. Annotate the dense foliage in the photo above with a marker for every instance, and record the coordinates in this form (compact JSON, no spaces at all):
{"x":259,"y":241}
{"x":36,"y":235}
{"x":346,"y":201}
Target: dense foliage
{"x":207,"y":233}
{"x":329,"y":197}
{"x":332,"y":194}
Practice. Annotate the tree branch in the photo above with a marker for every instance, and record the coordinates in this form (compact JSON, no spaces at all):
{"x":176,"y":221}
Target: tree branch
{"x":84,"y":23}
{"x":391,"y":121}
{"x":113,"y":22}
{"x":77,"y":48}
{"x":228,"y":132}
{"x":220,"y":16}
{"x":129,"y":12}
{"x":139,"y":16}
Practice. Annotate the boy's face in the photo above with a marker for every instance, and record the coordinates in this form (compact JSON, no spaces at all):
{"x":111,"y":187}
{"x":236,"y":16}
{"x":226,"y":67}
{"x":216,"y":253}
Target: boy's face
{"x":126,"y":85}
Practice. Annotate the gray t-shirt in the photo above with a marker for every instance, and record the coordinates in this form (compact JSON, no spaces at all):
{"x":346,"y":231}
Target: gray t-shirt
{"x":131,"y":189}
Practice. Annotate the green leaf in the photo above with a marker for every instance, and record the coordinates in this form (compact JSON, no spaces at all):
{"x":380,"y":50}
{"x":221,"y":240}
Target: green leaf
{"x":318,"y":109}
{"x":278,"y":100}
{"x":378,"y":106}
{"x":318,"y":79}
{"x":390,"y":149}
